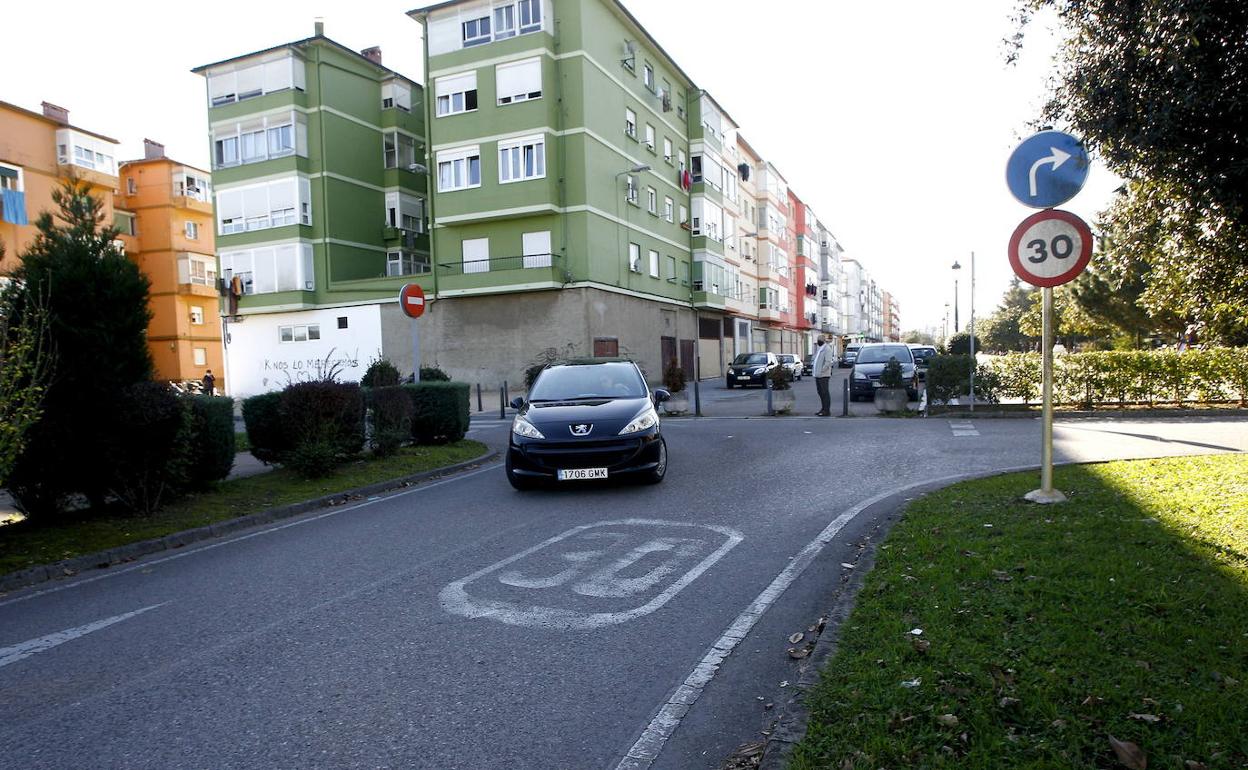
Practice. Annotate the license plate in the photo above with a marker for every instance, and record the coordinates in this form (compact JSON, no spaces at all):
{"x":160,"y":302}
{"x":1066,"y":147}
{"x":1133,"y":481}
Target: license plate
{"x":582,"y":474}
{"x":743,"y":377}
{"x":875,"y":384}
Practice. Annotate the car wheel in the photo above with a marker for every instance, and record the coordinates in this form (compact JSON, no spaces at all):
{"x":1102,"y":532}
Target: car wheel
{"x":728,"y":384}
{"x":518,"y":482}
{"x":656,"y":475}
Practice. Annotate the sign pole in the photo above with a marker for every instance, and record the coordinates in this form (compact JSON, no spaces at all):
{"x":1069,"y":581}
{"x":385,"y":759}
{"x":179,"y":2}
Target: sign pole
{"x":1046,"y":493}
{"x":412,"y":303}
{"x":415,"y":350}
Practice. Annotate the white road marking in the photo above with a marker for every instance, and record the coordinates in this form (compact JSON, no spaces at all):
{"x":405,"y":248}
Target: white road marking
{"x":34,"y":646}
{"x":963,"y":429}
{"x":192,"y":550}
{"x":620,"y":598}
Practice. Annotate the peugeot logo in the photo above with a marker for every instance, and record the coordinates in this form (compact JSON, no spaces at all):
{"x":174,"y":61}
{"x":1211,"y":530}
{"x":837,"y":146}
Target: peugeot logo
{"x":581,"y":429}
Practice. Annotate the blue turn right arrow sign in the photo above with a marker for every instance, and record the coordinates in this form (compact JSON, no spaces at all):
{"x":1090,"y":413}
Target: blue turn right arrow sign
{"x":1047,"y":169}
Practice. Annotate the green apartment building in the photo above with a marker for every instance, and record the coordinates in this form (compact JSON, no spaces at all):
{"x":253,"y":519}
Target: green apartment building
{"x":320,"y":211}
{"x":566,"y":214}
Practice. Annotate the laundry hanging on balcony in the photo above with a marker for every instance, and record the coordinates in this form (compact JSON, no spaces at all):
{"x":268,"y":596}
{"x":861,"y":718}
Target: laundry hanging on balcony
{"x":14,"y":202}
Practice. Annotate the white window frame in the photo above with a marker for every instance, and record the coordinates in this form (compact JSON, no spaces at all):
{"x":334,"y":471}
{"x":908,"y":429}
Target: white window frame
{"x":667,"y":150}
{"x":634,"y":257}
{"x":200,"y":356}
{"x":668,"y":208}
{"x":500,"y":72}
{"x":270,"y":269}
{"x":197,"y":315}
{"x":280,"y":72}
{"x":647,"y":76}
{"x":652,"y":201}
{"x":191,"y":229}
{"x":480,"y":37}
{"x":537,"y":248}
{"x":479,"y":251}
{"x":649,"y":137}
{"x":446,"y":88}
{"x":533,"y":10}
{"x":406,"y":262}
{"x":298,"y":333}
{"x":398,"y":150}
{"x":630,"y":189}
{"x":630,"y":123}
{"x":459,"y":155}
{"x":396,"y":94}
{"x":405,"y":211}
{"x":517,"y":155}
{"x":654,"y":263}
{"x":300,"y":213}
{"x":258,"y":133}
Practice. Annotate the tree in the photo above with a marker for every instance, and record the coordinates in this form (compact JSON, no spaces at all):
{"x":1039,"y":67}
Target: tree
{"x":1159,"y":88}
{"x":916,"y":337}
{"x":960,"y":344}
{"x":25,"y":365}
{"x":97,"y":323}
{"x":1001,"y":330}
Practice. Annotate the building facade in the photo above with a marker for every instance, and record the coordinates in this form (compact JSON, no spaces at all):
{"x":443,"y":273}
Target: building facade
{"x":321,"y":210}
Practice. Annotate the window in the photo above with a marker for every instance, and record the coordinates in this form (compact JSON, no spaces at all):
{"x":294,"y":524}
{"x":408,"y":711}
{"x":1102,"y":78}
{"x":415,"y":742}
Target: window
{"x":265,"y":270}
{"x":684,"y":272}
{"x":521,"y":159}
{"x":652,"y":201}
{"x":519,"y":81}
{"x":406,"y":212}
{"x":630,"y":123}
{"x":125,"y":223}
{"x":272,"y":204}
{"x":696,"y":169}
{"x":74,"y":148}
{"x":258,"y":139}
{"x":649,"y":136}
{"x":244,"y":81}
{"x":680,"y":158}
{"x":684,"y":215}
{"x":188,"y":185}
{"x":398,"y":150}
{"x":668,"y":205}
{"x":456,"y":94}
{"x":396,"y":94}
{"x":196,"y":269}
{"x":400,"y":262}
{"x":670,"y":272}
{"x":131,"y":187}
{"x":654,"y":263}
{"x":477,"y":31}
{"x":536,"y":249}
{"x":634,"y":257}
{"x":192,"y":231}
{"x":647,"y":77}
{"x":667,"y":150}
{"x":301,"y":333}
{"x":201,"y":356}
{"x":476,"y":255}
{"x":342,"y":322}
{"x":504,"y":22}
{"x":281,"y":140}
{"x":197,"y":315}
{"x":530,"y":15}
{"x":459,"y":169}
{"x":630,"y":191}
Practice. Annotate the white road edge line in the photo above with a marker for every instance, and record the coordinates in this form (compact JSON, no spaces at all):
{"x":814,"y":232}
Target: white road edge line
{"x":34,"y":646}
{"x":196,"y":550}
{"x":647,"y":747}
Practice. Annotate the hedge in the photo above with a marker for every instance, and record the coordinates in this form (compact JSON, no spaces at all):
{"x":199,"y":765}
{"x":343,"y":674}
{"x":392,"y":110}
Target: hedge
{"x":439,"y":411}
{"x":211,"y":441}
{"x":390,"y":419}
{"x":1212,"y":375}
{"x":266,"y":435}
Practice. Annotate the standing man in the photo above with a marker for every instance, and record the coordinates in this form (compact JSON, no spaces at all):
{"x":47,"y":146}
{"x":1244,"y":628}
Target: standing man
{"x":822,"y":369}
{"x":210,"y":384}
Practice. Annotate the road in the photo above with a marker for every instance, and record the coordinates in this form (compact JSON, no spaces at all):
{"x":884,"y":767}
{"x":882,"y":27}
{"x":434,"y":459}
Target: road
{"x":461,"y":624}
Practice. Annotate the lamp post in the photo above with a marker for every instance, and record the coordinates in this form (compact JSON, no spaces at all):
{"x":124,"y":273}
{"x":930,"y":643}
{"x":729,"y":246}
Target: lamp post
{"x":956,"y":268}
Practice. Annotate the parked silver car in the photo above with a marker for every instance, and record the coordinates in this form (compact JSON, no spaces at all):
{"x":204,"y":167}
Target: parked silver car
{"x":792,"y":363}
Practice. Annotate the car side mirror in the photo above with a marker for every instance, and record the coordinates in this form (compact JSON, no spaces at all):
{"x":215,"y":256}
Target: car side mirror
{"x":661,"y":395}
{"x":517,"y":402}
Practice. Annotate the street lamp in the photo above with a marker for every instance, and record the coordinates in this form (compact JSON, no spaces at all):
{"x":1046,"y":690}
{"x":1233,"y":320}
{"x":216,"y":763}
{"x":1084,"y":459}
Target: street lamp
{"x":956,"y":268}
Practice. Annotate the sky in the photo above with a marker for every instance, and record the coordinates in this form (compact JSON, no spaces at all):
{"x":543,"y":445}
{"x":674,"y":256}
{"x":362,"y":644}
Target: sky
{"x":892,"y":120}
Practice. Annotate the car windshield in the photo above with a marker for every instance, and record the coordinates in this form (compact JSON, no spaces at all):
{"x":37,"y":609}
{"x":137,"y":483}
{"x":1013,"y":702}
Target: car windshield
{"x":881,"y":354}
{"x":787,"y":358}
{"x":750,"y":358}
{"x":924,"y":353}
{"x":585,"y":381}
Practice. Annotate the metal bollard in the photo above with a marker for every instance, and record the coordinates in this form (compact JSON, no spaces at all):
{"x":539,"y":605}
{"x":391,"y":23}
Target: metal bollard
{"x":845,"y":400}
{"x":697,"y":400}
{"x":480,"y":407}
{"x":502,"y":401}
{"x":771,"y":412}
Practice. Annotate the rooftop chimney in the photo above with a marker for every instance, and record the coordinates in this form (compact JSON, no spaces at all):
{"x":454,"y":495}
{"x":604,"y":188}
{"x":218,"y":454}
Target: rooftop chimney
{"x":320,"y":27}
{"x":373,"y":54}
{"x":153,"y":150}
{"x":59,"y":114}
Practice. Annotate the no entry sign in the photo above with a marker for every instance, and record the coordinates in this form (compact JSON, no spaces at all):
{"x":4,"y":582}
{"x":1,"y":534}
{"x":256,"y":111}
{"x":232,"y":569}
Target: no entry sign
{"x":412,"y":300}
{"x":1050,"y":248}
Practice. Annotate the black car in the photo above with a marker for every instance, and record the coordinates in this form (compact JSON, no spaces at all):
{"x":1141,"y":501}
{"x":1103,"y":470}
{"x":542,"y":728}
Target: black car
{"x":923,"y":354}
{"x":869,"y":365}
{"x":750,"y":369}
{"x":587,"y":420}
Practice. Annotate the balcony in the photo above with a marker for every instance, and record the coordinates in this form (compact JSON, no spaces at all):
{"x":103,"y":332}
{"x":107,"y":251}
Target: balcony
{"x":197,"y":275}
{"x":502,"y":274}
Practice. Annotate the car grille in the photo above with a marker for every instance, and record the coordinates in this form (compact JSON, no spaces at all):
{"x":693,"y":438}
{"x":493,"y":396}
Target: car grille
{"x":583,"y":454}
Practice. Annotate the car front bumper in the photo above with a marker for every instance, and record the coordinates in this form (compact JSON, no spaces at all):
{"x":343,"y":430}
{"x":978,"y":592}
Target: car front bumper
{"x":620,"y":455}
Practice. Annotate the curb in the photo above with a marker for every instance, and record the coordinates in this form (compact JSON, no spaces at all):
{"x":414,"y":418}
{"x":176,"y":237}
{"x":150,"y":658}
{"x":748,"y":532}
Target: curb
{"x":132,"y":551}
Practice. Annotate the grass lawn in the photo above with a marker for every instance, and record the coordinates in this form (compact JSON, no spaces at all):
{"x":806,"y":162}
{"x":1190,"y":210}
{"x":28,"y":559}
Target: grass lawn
{"x":1048,"y":629}
{"x":28,"y":543}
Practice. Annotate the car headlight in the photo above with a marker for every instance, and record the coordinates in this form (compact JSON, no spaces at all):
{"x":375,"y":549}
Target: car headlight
{"x":861,"y":376}
{"x":644,"y":421}
{"x":522,"y":427}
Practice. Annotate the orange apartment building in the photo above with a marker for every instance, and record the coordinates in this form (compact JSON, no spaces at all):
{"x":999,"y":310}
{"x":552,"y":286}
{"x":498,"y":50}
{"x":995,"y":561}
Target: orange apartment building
{"x":163,"y":210}
{"x":170,"y":209}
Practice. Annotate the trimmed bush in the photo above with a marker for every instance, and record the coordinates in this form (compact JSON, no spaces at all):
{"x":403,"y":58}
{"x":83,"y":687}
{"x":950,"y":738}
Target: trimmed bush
{"x":210,"y":440}
{"x":380,"y":373}
{"x":266,"y":434}
{"x":324,"y":412}
{"x":433,"y":374}
{"x":948,"y":377}
{"x":390,"y":412}
{"x":439,"y":411}
{"x":960,"y":344}
{"x":149,"y":449}
{"x":674,"y":377}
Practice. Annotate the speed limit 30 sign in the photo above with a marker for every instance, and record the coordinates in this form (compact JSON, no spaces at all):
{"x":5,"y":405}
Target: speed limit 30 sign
{"x":1050,"y":248}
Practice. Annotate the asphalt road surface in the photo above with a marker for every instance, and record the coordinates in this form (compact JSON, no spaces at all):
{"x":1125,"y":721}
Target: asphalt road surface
{"x":461,"y":624}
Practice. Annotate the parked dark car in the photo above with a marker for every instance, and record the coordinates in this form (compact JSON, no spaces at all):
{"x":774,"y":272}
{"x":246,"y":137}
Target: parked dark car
{"x":850,"y":355}
{"x":922,"y":355}
{"x":587,"y":420}
{"x":869,"y":365}
{"x":792,"y":364}
{"x":750,"y":369}
{"x":808,"y":364}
